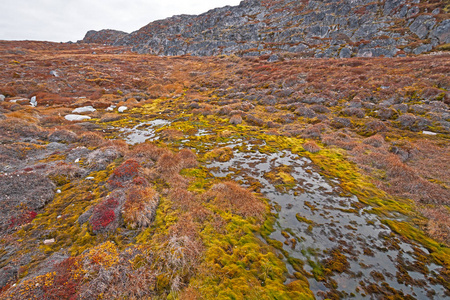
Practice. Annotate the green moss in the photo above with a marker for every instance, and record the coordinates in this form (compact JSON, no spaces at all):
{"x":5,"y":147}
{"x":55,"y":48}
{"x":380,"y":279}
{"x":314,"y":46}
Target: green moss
{"x":439,"y":252}
{"x":303,"y":219}
{"x":281,"y":179}
{"x":220,"y":154}
{"x":241,"y":266}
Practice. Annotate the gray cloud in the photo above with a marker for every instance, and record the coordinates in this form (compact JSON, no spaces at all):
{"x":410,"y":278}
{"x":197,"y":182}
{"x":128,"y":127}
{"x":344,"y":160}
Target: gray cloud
{"x":64,"y":20}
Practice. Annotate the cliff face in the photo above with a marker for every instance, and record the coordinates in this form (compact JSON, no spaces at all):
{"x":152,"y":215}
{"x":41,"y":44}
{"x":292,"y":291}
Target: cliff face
{"x":329,"y":28}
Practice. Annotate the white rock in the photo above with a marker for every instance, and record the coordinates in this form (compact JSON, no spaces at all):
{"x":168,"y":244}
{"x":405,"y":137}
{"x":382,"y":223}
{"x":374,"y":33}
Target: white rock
{"x":77,"y":160}
{"x":33,"y":101}
{"x":58,"y":191}
{"x":84,"y":109}
{"x":429,"y":132}
{"x":2,"y":98}
{"x":49,"y":241}
{"x":76,"y":118}
{"x":90,"y":178}
{"x":111,"y":108}
{"x":54,"y":73}
{"x":122,"y":109}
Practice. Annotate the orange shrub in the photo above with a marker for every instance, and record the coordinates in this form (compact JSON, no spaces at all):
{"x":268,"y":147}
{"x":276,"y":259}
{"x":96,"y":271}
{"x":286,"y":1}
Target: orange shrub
{"x":311,"y":146}
{"x":140,"y":206}
{"x":49,"y":99}
{"x":376,"y":140}
{"x":168,"y":164}
{"x":188,"y":158}
{"x":232,"y":197}
{"x":91,"y":139}
{"x":171,"y":134}
{"x":181,"y":198}
{"x":147,"y":151}
{"x":23,"y":128}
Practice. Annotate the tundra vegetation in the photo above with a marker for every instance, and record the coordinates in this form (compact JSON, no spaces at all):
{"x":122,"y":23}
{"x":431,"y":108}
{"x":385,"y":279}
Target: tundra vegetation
{"x":148,"y":203}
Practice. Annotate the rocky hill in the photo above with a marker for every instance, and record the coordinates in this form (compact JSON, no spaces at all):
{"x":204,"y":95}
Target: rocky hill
{"x":330,"y":28}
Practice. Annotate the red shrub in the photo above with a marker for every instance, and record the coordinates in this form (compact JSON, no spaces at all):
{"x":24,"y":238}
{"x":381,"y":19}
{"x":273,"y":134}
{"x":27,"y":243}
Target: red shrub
{"x":103,"y":218}
{"x":22,"y":219}
{"x":65,"y":285}
{"x":140,"y":181}
{"x":127,"y":171}
{"x":103,"y":214}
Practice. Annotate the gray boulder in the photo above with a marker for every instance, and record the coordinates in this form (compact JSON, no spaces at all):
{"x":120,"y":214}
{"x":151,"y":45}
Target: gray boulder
{"x":422,"y":25}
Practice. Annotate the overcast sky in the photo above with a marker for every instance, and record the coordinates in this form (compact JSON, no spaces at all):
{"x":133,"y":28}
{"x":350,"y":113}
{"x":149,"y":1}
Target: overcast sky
{"x":69,"y":20}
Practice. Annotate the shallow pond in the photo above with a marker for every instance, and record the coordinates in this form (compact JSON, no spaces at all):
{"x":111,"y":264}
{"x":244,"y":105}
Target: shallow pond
{"x":142,"y":132}
{"x":347,"y":252}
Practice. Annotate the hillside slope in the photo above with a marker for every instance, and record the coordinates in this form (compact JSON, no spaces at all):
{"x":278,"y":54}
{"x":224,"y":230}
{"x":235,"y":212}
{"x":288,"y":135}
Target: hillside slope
{"x":330,"y":28}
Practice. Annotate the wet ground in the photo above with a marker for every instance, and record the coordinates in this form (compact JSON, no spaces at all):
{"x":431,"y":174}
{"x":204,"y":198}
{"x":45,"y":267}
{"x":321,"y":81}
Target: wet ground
{"x":347,"y":252}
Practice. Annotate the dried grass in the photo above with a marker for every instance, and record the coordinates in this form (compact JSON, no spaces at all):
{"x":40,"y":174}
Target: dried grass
{"x":311,"y":146}
{"x":232,"y":197}
{"x":146,"y":151}
{"x":188,"y":158}
{"x":140,"y":207}
{"x":91,"y":139}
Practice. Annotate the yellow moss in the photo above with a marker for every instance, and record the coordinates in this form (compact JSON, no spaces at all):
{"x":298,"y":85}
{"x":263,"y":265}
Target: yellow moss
{"x":439,"y":252}
{"x":220,"y":154}
{"x":105,"y":254}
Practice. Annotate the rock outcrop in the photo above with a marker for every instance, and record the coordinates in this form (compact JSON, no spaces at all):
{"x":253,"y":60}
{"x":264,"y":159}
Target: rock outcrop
{"x":105,"y":36}
{"x":330,"y":28}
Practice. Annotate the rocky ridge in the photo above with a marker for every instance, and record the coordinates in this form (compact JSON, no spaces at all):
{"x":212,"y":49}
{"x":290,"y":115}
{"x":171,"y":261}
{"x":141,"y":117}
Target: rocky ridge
{"x":331,"y":28}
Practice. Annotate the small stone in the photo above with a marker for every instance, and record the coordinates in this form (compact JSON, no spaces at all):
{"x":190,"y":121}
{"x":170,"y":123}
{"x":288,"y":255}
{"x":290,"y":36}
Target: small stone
{"x":121,"y":109}
{"x":429,"y":132}
{"x":77,"y":160}
{"x":89,"y":178}
{"x":2,"y":98}
{"x":58,"y":191}
{"x":33,"y":101}
{"x":49,"y":241}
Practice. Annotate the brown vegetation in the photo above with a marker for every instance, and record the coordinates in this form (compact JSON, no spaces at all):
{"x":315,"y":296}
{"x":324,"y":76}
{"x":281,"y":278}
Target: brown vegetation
{"x":140,"y":207}
{"x":232,"y":197}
